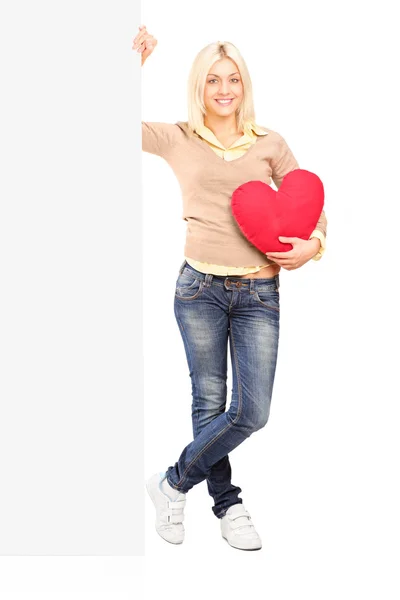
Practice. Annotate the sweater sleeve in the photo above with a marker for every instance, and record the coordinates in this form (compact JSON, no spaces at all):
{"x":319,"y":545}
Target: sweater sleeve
{"x":283,"y":163}
{"x":320,"y":233}
{"x":159,"y":138}
{"x":322,"y":223}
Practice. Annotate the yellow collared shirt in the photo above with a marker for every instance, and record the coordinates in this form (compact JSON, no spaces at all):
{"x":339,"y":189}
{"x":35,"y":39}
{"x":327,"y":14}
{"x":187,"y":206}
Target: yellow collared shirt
{"x":234,"y":151}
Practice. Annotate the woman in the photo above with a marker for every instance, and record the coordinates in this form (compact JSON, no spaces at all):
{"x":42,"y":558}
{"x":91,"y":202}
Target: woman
{"x":226,"y":288}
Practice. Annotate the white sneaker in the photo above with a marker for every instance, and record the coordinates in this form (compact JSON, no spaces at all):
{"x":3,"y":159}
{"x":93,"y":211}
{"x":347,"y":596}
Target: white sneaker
{"x":169,"y":511}
{"x":238,"y":530}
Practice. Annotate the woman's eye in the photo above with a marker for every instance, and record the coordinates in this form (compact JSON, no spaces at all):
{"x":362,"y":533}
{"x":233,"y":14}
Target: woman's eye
{"x":234,"y":79}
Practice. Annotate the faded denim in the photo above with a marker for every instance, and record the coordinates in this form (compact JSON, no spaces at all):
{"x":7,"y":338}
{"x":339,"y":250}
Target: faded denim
{"x":210,"y":310}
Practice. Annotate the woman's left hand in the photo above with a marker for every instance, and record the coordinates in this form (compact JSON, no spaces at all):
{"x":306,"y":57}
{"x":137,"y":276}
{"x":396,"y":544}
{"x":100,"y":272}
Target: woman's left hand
{"x":302,"y":252}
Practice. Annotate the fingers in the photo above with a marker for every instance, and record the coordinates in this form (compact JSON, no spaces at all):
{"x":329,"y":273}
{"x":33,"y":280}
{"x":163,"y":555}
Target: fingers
{"x":139,"y":38}
{"x":147,"y":43}
{"x":144,"y":43}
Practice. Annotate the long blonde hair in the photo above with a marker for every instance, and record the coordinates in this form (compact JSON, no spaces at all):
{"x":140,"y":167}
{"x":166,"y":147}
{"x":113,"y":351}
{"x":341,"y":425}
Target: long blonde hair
{"x":202,"y":63}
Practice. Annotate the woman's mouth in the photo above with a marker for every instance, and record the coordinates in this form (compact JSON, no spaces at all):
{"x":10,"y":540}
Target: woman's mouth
{"x":225,"y":102}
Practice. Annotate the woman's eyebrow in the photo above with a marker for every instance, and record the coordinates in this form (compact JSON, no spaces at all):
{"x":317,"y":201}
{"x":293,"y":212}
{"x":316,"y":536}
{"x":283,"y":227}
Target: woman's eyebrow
{"x":236,"y":72}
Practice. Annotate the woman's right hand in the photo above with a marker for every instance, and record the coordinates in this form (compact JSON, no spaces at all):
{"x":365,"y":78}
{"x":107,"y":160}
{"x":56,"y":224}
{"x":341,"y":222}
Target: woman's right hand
{"x":144,"y":42}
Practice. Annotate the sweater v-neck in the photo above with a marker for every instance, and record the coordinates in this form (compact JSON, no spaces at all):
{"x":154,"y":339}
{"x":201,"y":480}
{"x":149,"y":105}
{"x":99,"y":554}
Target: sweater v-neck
{"x":199,"y":140}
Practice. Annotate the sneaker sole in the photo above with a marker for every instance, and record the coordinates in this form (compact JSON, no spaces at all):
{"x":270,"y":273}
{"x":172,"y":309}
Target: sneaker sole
{"x":239,"y":547}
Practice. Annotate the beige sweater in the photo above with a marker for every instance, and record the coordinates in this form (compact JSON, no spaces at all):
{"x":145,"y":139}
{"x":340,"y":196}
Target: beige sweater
{"x":207,"y":183}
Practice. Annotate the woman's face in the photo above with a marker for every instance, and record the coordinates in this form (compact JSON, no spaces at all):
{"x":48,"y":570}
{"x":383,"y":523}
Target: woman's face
{"x":223,"y":82}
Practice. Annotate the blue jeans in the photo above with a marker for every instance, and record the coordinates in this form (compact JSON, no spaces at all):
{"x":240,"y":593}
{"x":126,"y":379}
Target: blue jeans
{"x":210,"y":309}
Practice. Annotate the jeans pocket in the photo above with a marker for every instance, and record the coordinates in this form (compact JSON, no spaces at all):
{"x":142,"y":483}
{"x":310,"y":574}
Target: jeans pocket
{"x":188,"y":286}
{"x":268,"y":297}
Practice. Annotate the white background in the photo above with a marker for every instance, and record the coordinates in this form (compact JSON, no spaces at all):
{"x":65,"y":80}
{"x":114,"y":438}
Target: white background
{"x":320,"y":479}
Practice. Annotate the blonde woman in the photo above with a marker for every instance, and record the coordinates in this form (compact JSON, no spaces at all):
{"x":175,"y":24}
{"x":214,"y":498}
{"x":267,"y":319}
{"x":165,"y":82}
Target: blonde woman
{"x":226,"y":291}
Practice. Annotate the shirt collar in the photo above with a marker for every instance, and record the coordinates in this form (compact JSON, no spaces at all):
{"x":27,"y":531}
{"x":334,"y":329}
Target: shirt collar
{"x":208,"y":135}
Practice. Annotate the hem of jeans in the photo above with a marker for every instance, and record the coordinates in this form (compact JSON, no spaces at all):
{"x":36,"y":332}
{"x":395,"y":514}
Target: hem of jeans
{"x":225,"y":509}
{"x":173,"y":485}
{"x":220,"y":515}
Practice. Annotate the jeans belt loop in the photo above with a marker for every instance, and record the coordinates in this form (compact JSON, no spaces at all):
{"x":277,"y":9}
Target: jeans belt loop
{"x":182,"y":267}
{"x":252,"y":286}
{"x":208,"y":279}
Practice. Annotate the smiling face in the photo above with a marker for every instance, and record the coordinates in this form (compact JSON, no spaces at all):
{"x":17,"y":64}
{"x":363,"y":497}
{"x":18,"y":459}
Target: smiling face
{"x":223,"y":82}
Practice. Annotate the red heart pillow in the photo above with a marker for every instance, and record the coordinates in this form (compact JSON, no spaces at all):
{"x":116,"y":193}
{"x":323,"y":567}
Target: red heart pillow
{"x":264,"y":214}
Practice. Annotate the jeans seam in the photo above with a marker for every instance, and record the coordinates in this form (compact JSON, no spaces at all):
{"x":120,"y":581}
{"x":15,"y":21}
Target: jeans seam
{"x":189,"y":351}
{"x":195,"y":459}
{"x":190,"y":365}
{"x":229,"y":425}
{"x":237,"y":374}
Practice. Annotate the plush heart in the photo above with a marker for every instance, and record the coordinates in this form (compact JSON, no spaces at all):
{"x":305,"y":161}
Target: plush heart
{"x":264,"y":214}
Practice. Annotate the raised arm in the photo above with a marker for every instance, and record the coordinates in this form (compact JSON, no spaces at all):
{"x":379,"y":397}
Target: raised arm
{"x":157,"y":138}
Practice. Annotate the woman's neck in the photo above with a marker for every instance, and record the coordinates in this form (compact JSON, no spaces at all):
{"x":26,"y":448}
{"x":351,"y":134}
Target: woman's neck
{"x":221,"y":125}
